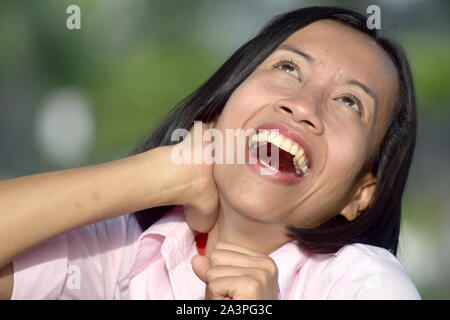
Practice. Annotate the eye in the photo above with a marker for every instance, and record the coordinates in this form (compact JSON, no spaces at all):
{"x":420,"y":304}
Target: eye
{"x":288,"y":66}
{"x":351,"y":101}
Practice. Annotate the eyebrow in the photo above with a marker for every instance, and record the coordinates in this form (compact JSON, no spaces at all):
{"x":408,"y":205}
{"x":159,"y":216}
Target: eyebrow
{"x":297,"y":51}
{"x":350,"y":81}
{"x":365,"y":88}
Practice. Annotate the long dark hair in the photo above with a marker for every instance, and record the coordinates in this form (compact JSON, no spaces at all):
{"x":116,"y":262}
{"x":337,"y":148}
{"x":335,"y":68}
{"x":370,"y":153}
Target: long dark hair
{"x":379,"y":224}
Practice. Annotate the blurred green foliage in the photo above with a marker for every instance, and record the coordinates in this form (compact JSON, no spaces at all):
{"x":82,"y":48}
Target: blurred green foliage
{"x":143,"y":88}
{"x":430,"y":62}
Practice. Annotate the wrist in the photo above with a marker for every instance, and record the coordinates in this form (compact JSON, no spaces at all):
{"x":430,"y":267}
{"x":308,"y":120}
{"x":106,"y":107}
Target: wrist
{"x":166,"y":183}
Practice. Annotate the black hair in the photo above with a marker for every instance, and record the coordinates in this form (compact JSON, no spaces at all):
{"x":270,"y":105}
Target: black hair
{"x":379,"y":224}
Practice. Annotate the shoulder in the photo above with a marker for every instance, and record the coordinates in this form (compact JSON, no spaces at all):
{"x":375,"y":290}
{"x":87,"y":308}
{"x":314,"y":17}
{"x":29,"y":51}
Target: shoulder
{"x":361,"y":254}
{"x":360,"y":271}
{"x":107,"y":233}
{"x":84,"y":263}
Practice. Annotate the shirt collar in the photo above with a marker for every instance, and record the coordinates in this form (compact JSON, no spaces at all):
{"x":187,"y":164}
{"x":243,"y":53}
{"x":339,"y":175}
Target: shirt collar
{"x":170,"y":234}
{"x":172,"y":237}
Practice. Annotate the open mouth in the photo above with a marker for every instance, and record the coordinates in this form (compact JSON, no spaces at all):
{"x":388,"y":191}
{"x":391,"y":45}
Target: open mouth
{"x":292,"y":162}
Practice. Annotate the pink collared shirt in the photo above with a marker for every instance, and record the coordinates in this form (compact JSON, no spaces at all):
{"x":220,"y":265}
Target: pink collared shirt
{"x":114,"y":259}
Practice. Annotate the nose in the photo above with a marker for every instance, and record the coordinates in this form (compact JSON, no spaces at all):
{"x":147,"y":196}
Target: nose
{"x":302,"y":109}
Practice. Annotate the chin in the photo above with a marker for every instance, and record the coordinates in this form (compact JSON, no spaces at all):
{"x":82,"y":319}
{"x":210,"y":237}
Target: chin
{"x":253,"y":200}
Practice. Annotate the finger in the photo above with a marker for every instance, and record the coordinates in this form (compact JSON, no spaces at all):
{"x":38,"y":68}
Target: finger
{"x":220,"y":257}
{"x":200,"y":266}
{"x":234,"y":247}
{"x":236,"y":288}
{"x":261,"y":275}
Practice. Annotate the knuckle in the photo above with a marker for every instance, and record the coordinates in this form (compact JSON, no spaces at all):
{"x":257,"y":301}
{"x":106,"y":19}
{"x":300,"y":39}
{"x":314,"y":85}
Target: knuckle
{"x":270,"y":266}
{"x":266,"y":279}
{"x":215,"y":258}
{"x":213,"y":286}
{"x":252,"y":284}
{"x":219,"y":245}
{"x":264,"y":276}
{"x":210,"y":274}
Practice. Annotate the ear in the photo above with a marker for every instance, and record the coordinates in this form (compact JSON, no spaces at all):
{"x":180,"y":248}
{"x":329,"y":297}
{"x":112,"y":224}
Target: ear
{"x":362,"y":197}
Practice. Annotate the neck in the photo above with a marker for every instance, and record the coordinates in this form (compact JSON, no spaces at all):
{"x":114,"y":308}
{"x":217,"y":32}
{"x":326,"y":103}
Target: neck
{"x":236,"y":228}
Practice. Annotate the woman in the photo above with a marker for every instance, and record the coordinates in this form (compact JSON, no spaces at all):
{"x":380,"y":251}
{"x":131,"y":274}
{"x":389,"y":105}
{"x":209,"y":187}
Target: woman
{"x":319,"y":79}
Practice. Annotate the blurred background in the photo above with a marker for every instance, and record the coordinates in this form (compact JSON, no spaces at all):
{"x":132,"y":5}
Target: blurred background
{"x":77,"y":97}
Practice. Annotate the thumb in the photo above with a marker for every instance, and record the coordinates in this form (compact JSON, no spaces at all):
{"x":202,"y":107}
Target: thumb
{"x":200,"y":265}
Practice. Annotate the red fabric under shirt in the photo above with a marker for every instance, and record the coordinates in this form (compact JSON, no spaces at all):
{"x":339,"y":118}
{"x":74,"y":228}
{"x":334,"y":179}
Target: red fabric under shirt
{"x":200,"y":239}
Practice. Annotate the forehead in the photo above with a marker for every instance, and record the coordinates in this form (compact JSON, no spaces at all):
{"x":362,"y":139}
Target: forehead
{"x":333,"y":43}
{"x":343,"y":51}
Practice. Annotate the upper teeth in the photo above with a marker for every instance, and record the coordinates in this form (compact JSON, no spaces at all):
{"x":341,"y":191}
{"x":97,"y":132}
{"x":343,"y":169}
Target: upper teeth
{"x":300,"y":160}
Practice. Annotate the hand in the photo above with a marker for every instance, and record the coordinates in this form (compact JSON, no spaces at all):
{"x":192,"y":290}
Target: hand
{"x":200,"y":199}
{"x":237,"y":273}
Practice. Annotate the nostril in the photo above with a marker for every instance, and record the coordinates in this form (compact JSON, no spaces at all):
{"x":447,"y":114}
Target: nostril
{"x":286,"y":109}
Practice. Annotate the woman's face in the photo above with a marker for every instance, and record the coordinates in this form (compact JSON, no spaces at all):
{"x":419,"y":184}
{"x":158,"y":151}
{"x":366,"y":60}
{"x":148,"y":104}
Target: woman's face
{"x":331,"y":89}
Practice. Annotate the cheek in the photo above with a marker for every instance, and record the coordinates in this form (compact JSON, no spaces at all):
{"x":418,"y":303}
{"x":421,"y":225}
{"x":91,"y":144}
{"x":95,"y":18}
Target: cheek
{"x":335,"y":183}
{"x":347,"y":153}
{"x":245,"y":101}
{"x":346,"y":156}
